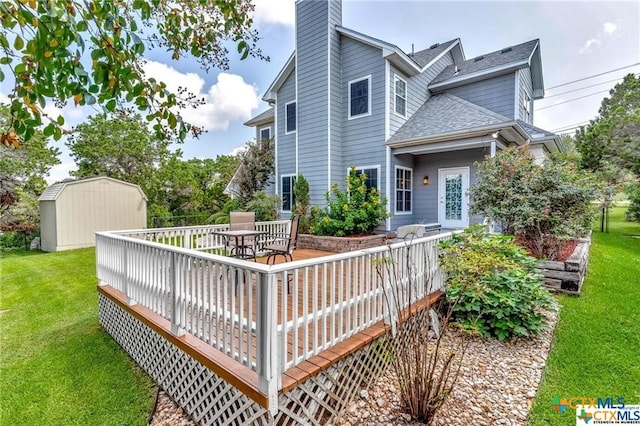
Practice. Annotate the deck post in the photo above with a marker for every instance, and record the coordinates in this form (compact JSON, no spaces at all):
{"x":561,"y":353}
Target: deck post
{"x":173,"y":277}
{"x":125,"y":272}
{"x":266,"y":334}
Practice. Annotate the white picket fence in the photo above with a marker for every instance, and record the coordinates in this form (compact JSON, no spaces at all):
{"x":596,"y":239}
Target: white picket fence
{"x":269,"y":318}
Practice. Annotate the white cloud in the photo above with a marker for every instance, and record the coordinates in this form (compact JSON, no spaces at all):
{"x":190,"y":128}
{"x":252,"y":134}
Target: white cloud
{"x":610,"y":28}
{"x":589,"y":45}
{"x":230,"y":98}
{"x":275,"y":12}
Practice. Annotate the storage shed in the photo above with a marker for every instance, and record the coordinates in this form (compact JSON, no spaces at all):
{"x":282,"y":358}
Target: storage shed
{"x":72,"y":211}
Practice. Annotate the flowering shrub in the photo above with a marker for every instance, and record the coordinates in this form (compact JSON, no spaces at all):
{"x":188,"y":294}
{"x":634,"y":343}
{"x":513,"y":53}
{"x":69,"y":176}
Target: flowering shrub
{"x":494,"y":284}
{"x":358,"y":210}
{"x":543,"y":205}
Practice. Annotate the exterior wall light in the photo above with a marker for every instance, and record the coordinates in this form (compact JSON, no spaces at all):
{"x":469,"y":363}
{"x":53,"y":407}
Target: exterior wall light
{"x":425,"y":180}
{"x":495,"y":134}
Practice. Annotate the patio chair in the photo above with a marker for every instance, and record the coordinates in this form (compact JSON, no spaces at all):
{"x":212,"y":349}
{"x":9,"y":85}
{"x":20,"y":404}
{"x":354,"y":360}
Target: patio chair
{"x":242,"y":221}
{"x":282,"y":244}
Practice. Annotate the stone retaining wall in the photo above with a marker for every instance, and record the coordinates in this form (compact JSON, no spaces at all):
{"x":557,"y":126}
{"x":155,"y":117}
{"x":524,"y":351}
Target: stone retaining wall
{"x":340,"y":244}
{"x":567,"y":276}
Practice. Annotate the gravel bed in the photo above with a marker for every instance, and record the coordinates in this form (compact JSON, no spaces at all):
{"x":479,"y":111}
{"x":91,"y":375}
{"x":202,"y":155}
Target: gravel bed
{"x":497,"y":384}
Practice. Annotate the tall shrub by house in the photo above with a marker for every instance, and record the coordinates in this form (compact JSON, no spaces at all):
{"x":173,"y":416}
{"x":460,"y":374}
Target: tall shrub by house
{"x":301,"y":195}
{"x":543,"y":205}
{"x":356,"y":210}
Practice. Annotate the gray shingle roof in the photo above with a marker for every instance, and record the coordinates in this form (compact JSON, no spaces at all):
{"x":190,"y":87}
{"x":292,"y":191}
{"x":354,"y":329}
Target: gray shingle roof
{"x":446,"y":113}
{"x":51,"y":192}
{"x":423,"y":57}
{"x":534,"y":131}
{"x":264,"y":116}
{"x":497,"y":59}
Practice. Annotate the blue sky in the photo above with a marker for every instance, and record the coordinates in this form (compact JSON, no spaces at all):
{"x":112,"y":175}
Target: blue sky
{"x":578,"y":39}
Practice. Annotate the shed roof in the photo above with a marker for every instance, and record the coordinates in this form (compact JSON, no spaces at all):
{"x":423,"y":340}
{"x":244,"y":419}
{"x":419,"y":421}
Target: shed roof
{"x":53,"y":191}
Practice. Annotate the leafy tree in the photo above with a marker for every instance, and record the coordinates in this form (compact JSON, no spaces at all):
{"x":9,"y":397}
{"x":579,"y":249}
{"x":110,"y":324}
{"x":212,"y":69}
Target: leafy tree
{"x":121,"y":147}
{"x":91,"y":52}
{"x":613,"y":137}
{"x":256,"y":169}
{"x":23,"y":167}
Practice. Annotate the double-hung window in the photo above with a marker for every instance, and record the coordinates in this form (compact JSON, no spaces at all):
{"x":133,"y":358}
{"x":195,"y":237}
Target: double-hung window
{"x":290,"y":117}
{"x":265,"y":133}
{"x":372,"y":176}
{"x":360,"y":97}
{"x":288,"y":198}
{"x":403,"y":189}
{"x":400,"y":87}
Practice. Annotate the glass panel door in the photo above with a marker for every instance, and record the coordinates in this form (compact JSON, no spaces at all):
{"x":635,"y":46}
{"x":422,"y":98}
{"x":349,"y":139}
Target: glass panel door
{"x":453,"y":200}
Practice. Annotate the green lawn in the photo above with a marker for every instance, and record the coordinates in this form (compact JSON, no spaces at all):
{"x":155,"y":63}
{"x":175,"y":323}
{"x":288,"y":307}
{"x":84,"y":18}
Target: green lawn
{"x":57,"y":365}
{"x":596,"y":347}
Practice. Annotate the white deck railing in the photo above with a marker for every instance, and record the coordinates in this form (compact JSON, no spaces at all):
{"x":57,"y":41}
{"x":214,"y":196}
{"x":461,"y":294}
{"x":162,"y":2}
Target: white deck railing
{"x":269,"y":318}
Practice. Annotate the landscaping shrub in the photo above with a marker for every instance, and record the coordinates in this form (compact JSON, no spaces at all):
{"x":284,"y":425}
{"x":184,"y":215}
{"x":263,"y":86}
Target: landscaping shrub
{"x":492,"y":279}
{"x":356,"y":210}
{"x":301,"y":195}
{"x":544,"y":205}
{"x":633,"y":212}
{"x":265,"y":206}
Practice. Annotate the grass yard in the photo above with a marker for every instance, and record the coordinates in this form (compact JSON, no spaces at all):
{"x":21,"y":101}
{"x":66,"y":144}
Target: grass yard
{"x":57,"y":365}
{"x":596,"y":347}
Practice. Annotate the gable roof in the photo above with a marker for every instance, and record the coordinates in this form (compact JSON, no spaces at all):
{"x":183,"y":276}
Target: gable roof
{"x":262,"y":118}
{"x":425,"y":56}
{"x":495,"y":63}
{"x":408,"y":64}
{"x":446,"y":114}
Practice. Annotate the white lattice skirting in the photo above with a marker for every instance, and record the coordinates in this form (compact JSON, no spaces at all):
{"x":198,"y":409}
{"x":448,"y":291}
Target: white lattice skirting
{"x":210,"y":400}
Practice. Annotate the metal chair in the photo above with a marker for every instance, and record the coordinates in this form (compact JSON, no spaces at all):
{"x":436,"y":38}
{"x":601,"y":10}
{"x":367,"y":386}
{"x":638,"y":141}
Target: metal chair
{"x":282,"y":244}
{"x":242,"y":221}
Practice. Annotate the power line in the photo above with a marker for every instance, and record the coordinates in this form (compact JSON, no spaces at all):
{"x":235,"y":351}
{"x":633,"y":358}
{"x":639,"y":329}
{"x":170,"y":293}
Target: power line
{"x":591,"y":76}
{"x":570,"y":126}
{"x":585,"y":87}
{"x":573,"y":99}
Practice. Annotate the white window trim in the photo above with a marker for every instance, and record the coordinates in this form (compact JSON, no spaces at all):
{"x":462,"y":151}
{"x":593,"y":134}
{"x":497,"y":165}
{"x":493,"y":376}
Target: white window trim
{"x":265,"y":128}
{"x":291,"y":175}
{"x":395,"y":192}
{"x":352,"y":117}
{"x":286,"y":119}
{"x":395,"y":96}
{"x":377,"y":167}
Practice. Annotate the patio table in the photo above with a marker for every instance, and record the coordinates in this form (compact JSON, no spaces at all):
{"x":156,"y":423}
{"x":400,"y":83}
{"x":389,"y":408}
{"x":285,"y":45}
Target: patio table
{"x":241,"y":250}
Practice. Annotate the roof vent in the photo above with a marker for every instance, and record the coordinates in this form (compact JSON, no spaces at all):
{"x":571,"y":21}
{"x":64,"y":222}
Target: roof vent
{"x":433,"y":46}
{"x":505,"y":50}
{"x":478,"y":58}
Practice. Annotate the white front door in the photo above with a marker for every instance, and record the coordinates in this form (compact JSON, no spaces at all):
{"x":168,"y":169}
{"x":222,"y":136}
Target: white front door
{"x":453,"y":201}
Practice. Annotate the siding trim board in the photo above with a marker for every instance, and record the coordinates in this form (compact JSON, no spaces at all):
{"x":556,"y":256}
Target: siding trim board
{"x":387,"y":134}
{"x":516,"y":101}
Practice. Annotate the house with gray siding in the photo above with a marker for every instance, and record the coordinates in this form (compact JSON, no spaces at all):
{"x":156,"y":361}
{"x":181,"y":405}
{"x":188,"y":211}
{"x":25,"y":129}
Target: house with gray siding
{"x":414,"y":123}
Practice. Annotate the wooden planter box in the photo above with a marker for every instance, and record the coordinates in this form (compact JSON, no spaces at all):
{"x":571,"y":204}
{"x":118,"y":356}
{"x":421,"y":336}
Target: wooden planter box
{"x":567,"y":276}
{"x":340,"y":244}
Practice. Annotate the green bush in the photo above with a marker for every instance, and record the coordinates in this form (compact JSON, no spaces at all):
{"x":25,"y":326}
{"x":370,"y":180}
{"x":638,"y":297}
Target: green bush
{"x":499,"y":293}
{"x":301,"y":194}
{"x":265,"y":206}
{"x":543,"y":204}
{"x":356,"y":210}
{"x":633,"y":212}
